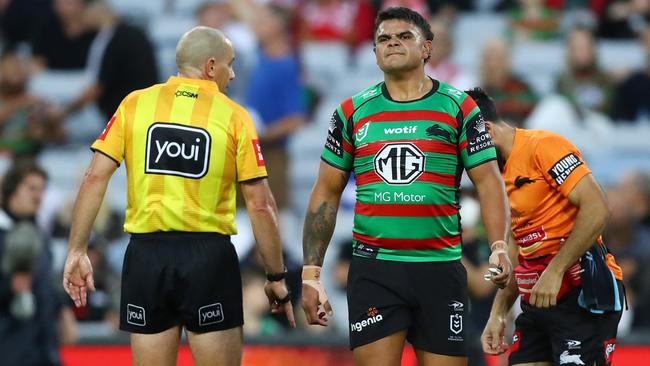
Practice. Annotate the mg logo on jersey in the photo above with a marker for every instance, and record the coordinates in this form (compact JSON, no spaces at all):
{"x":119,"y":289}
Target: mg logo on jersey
{"x":177,"y":150}
{"x":399,"y":163}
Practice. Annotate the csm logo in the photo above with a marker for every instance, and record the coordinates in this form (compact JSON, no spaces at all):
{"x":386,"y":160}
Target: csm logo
{"x":177,"y":150}
{"x":210,"y":314}
{"x":399,"y":163}
{"x":185,"y":93}
{"x":135,"y":315}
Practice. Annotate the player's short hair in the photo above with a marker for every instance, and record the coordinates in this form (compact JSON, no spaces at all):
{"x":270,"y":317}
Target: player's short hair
{"x":406,"y":15}
{"x":485,"y":104}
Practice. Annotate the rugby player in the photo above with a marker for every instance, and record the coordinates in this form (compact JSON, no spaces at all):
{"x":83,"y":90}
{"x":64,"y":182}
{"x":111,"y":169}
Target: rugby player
{"x":407,"y":140}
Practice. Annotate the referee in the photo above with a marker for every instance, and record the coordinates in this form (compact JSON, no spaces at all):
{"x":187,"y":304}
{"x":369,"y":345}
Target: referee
{"x":185,"y":145}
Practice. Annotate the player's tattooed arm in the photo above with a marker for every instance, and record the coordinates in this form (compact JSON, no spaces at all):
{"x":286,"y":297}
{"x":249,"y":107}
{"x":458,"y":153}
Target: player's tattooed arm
{"x":319,"y":227}
{"x":321,"y":213}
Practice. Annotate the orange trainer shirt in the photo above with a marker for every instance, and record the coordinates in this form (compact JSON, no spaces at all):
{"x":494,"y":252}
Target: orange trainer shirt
{"x":543,"y":168}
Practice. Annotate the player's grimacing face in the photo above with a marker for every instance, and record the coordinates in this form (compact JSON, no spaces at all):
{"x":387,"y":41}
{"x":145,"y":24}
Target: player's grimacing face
{"x":399,"y":45}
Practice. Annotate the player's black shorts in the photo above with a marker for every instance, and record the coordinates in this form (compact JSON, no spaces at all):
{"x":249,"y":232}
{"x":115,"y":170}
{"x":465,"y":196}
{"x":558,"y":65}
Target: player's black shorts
{"x":565,"y":334}
{"x":428,"y":299}
{"x":174,"y":278}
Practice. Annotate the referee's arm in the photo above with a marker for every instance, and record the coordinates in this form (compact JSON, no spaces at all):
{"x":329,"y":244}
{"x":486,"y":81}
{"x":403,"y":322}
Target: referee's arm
{"x":78,"y":273}
{"x":263,"y":214}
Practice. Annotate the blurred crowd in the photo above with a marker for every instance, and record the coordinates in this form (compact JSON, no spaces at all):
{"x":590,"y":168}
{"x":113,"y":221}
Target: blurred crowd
{"x":294,"y":59}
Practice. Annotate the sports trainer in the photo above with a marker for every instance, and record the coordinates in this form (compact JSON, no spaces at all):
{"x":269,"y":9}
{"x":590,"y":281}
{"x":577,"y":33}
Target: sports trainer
{"x":568,"y":280}
{"x":185,"y":146}
{"x":407,"y":140}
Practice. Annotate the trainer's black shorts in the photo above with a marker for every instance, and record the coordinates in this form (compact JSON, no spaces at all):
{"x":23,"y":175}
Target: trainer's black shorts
{"x":428,"y":299}
{"x":174,"y":278}
{"x":565,"y":334}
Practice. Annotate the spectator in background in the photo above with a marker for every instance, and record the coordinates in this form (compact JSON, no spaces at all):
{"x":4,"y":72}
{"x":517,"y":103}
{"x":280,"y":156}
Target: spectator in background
{"x":624,"y":19}
{"x":440,"y":65}
{"x":121,"y":60}
{"x":231,"y":17}
{"x":275,"y":92}
{"x":628,"y":235}
{"x":104,"y":303}
{"x":258,"y":320}
{"x":533,"y":20}
{"x":252,"y":268}
{"x":63,"y":41}
{"x":345,"y":21}
{"x":338,"y":297}
{"x":514,"y":99}
{"x":476,"y":253}
{"x":29,"y":304}
{"x":632,"y":96}
{"x":26,"y":122}
{"x":19,"y":19}
{"x":583,"y":82}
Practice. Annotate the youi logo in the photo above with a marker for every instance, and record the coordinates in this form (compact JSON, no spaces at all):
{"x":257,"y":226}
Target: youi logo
{"x":211,"y":314}
{"x":174,"y":149}
{"x":135,"y":315}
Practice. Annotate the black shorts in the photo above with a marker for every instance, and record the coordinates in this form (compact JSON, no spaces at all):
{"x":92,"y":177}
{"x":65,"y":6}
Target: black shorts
{"x":565,"y":334}
{"x":188,"y":279}
{"x":428,"y":299}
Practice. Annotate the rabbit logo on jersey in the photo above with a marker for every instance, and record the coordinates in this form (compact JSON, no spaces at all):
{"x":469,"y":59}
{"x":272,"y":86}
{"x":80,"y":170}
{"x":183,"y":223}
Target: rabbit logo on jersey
{"x":373,"y":318}
{"x":174,"y":149}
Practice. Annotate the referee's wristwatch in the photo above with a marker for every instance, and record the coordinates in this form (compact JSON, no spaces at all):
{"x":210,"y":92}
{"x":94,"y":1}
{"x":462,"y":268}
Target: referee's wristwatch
{"x":275,"y":277}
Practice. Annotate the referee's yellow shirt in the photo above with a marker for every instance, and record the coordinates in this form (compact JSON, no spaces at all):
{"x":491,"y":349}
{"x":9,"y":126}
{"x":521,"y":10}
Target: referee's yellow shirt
{"x":185,"y":146}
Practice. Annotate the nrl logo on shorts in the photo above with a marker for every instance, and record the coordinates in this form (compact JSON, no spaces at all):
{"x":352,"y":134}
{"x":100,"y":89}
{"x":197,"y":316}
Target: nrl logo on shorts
{"x":456,"y":323}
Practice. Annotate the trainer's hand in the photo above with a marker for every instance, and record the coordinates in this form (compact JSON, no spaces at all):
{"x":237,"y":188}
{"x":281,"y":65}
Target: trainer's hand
{"x":493,"y":337}
{"x":544,"y":293}
{"x":499,"y":259}
{"x":78,"y":277}
{"x":280,"y":300}
{"x":315,"y":304}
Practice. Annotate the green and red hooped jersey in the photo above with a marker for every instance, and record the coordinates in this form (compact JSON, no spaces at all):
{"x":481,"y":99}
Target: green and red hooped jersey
{"x":407,"y":158}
